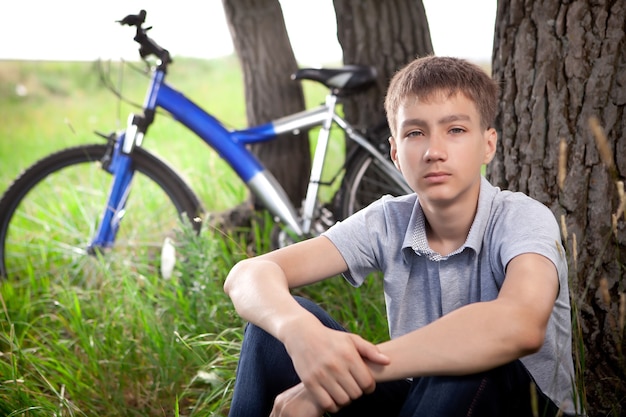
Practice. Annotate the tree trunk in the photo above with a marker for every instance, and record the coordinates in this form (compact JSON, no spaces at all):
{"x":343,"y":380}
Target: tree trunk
{"x":267,"y":60}
{"x":560,"y":64}
{"x":383,"y":34}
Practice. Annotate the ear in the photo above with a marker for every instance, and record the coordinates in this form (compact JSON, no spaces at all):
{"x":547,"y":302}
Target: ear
{"x":393,"y":152}
{"x":491,"y":139}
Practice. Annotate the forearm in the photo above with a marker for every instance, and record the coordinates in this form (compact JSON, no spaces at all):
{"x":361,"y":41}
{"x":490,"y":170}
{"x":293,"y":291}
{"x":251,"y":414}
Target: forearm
{"x":260,"y":293}
{"x":474,"y":338}
{"x":483,"y":335}
{"x":260,"y":287}
{"x":330,"y":363}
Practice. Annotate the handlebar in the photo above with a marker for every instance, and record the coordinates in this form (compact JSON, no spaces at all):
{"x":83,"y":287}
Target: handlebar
{"x":147,"y":45}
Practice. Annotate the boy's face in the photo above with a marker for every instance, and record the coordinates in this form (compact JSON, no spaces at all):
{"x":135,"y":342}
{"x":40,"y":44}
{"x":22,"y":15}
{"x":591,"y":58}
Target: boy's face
{"x":440,"y":148}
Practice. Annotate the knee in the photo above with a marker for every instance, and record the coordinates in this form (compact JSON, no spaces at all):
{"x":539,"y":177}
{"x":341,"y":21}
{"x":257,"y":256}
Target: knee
{"x":255,"y":334}
{"x":307,"y":304}
{"x":321,"y":314}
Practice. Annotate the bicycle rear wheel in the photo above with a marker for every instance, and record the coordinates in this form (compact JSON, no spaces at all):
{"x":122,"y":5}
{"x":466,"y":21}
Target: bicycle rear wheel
{"x":50,"y":213}
{"x":364,"y":182}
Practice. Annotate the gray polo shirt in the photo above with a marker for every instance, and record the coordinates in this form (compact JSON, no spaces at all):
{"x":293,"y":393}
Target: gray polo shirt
{"x":421,"y":285}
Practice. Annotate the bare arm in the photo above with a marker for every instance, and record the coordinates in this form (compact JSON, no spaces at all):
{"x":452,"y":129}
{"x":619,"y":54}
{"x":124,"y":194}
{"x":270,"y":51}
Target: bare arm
{"x":259,"y":287}
{"x":484,"y":335}
{"x":330,"y":363}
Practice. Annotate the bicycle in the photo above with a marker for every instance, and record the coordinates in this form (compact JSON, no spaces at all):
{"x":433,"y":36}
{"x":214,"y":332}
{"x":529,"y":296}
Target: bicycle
{"x":75,"y":204}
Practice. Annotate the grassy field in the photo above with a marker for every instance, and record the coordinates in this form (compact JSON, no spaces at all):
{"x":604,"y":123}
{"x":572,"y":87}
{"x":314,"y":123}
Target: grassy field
{"x":128,"y":344}
{"x":125,"y":345}
{"x":49,"y":105}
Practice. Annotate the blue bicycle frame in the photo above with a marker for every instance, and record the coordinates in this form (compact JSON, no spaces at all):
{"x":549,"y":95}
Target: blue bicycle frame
{"x":231,"y":146}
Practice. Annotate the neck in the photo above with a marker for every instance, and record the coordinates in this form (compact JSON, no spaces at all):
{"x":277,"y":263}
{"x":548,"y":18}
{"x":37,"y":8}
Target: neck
{"x":447,"y":225}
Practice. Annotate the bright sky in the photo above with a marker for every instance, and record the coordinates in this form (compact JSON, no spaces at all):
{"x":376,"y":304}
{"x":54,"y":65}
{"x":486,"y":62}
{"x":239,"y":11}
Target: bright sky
{"x":86,"y":30}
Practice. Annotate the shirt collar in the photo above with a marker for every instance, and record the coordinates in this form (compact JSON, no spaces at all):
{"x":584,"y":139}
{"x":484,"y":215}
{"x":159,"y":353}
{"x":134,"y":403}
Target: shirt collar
{"x":415,"y":236}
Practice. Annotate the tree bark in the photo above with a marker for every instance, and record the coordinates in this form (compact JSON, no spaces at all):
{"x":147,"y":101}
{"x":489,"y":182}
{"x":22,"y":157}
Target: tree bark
{"x":560,"y":64}
{"x":262,"y":44}
{"x":383,"y":34}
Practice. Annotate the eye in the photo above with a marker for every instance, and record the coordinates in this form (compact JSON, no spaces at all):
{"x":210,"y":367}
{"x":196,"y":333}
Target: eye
{"x":457,"y":130}
{"x":414,"y":133}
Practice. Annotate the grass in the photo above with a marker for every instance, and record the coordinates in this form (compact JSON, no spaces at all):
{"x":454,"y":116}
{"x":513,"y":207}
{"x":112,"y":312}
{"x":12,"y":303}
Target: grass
{"x":60,"y":110}
{"x":128,"y":343}
{"x":147,"y":347}
{"x":47,"y":106}
{"x":131,"y":344}
{"x":123,"y":347}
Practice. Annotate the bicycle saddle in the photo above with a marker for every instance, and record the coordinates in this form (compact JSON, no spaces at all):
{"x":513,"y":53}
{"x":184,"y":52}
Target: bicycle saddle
{"x":346,"y":80}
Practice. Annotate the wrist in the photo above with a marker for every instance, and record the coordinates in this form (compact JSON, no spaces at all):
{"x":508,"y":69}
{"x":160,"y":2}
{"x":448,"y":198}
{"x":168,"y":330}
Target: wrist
{"x":295,"y":326}
{"x":381,"y":371}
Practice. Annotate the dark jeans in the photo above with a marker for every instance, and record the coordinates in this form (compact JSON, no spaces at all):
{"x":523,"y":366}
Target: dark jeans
{"x":265,"y":370}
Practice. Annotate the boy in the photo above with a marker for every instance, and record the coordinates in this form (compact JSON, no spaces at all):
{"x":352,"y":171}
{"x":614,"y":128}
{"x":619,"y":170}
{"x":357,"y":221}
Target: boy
{"x":475,"y":282}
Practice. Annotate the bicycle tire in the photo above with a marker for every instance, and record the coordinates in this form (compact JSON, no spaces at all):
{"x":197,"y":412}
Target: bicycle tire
{"x":50,"y":212}
{"x":364,"y":182}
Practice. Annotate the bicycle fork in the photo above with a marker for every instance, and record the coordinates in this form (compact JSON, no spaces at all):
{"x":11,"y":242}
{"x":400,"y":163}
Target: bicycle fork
{"x":122,"y":168}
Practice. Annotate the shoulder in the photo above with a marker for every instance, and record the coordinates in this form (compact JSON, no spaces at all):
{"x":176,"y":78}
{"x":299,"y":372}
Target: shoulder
{"x":370,"y":236}
{"x":520,"y":224}
{"x":387,"y":208}
{"x":387,"y":216}
{"x":390,"y":201}
{"x":390,"y":205}
{"x":514,"y":207}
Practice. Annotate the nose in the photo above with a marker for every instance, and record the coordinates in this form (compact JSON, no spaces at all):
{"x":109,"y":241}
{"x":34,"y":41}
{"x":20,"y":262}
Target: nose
{"x":436,"y":150}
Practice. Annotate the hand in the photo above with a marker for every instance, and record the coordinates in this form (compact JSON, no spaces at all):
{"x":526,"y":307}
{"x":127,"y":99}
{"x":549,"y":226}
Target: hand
{"x":296,"y":401}
{"x":332,"y":364}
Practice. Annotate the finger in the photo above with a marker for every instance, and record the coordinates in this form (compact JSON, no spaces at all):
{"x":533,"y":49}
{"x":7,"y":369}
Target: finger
{"x":364,"y":378}
{"x":341,"y":391}
{"x":349,"y":389}
{"x":370,"y":351}
{"x":324,"y":398}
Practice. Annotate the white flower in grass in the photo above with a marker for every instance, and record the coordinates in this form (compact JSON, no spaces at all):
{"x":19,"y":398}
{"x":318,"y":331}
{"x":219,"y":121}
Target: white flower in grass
{"x":168,"y":258}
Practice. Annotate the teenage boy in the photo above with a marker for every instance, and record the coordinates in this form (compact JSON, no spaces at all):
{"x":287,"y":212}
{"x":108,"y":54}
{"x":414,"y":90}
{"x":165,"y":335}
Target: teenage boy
{"x":475,"y":282}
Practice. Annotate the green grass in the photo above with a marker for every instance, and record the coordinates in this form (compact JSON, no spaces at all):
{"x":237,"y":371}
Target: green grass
{"x":143,"y":347}
{"x":124,"y":347}
{"x":64,"y":103}
{"x":128,"y":343}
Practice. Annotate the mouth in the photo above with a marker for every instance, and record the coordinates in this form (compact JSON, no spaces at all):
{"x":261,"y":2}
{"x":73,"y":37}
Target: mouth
{"x":436,"y":174}
{"x":435,"y":177}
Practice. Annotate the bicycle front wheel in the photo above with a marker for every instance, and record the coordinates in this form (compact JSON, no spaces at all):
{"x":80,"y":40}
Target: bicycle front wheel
{"x":49,"y":215}
{"x":365,"y":181}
